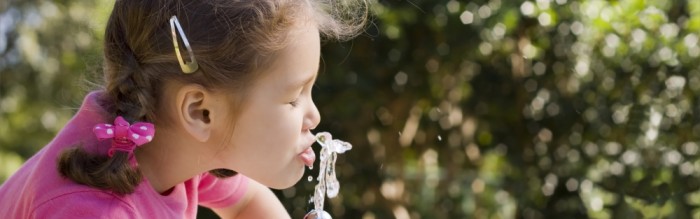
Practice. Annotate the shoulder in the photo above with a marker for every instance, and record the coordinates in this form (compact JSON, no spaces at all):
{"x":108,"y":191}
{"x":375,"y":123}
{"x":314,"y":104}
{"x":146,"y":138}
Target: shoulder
{"x":216,"y":192}
{"x":208,"y":182}
{"x":85,"y":204}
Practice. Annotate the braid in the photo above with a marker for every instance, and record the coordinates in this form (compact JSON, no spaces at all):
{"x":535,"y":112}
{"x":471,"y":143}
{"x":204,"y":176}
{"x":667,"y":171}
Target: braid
{"x":128,"y":90}
{"x":127,"y":94}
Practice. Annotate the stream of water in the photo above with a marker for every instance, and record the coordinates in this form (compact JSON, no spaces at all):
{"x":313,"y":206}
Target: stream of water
{"x":327,"y":182}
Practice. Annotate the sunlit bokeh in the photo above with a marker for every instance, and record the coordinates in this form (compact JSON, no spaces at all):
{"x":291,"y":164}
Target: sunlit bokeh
{"x":456,"y":109}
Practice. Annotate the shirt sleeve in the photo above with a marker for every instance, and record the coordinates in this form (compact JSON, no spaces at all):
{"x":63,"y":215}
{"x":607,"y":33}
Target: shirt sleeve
{"x":215,"y":192}
{"x":84,"y":205}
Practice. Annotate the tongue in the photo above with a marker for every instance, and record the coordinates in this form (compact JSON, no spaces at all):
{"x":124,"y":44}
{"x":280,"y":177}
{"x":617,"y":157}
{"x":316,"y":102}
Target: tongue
{"x":308,"y":157}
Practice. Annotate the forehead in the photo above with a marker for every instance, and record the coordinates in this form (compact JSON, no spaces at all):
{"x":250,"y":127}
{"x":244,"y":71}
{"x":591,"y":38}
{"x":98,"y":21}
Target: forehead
{"x":298,"y":61}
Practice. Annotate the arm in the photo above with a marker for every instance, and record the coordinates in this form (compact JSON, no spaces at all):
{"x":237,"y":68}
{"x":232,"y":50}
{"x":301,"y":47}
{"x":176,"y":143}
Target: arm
{"x":258,"y":202}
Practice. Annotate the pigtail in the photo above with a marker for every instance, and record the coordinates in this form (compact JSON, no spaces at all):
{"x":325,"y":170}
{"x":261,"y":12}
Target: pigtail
{"x":114,"y":174}
{"x":127,"y":94}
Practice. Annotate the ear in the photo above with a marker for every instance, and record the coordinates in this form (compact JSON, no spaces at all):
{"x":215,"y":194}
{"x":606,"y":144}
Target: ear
{"x":193,"y":111}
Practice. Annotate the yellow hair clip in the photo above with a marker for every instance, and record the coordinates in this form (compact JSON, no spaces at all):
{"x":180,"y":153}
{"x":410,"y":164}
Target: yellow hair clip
{"x":187,"y":67}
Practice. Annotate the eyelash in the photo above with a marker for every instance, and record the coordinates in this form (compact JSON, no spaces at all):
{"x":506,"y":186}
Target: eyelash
{"x":294,"y":103}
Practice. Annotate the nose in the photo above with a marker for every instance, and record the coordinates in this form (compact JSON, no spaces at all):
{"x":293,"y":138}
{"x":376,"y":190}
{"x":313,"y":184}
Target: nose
{"x":312,"y":117}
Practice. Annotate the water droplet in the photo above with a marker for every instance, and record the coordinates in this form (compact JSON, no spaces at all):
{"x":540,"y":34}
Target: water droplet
{"x":310,"y":178}
{"x":439,"y":138}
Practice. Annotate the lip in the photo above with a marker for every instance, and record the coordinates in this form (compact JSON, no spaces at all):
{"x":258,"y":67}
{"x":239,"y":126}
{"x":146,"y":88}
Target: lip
{"x":307,"y":156}
{"x":310,"y":140}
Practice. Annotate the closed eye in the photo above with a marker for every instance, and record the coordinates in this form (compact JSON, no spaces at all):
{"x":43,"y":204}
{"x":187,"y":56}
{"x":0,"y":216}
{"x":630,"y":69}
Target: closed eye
{"x":294,"y":103}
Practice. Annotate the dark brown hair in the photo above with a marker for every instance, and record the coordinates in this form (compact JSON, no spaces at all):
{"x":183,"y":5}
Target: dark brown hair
{"x":232,"y":41}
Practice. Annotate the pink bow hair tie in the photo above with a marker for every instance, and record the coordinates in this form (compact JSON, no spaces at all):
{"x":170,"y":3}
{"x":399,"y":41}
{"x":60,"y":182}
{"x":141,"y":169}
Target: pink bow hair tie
{"x":125,"y":137}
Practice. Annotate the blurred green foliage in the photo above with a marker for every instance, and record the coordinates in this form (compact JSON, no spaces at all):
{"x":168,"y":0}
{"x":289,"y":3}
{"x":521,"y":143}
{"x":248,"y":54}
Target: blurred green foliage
{"x":456,"y":109}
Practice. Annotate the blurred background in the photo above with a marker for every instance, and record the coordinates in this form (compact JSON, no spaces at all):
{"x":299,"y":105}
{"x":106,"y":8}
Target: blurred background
{"x":456,"y":109}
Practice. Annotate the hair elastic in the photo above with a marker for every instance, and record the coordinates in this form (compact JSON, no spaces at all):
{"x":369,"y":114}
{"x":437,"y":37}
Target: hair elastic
{"x":125,"y":137}
{"x":187,"y":67}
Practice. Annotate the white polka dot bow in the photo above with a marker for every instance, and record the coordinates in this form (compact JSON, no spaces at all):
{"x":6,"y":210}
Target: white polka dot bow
{"x":125,"y":137}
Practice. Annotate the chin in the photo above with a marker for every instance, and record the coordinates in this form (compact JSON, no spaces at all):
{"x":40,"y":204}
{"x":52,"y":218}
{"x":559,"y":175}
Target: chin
{"x":289,"y":180}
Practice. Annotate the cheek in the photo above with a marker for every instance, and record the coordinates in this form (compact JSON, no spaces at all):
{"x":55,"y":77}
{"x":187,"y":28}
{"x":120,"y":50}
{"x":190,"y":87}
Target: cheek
{"x":267,"y":128}
{"x":265,"y":144}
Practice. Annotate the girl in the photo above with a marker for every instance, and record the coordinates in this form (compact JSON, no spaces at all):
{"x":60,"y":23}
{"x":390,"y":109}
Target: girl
{"x":205,"y":103}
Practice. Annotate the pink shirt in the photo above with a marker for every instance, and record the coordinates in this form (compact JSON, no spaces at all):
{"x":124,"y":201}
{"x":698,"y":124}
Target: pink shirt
{"x":37,"y":190}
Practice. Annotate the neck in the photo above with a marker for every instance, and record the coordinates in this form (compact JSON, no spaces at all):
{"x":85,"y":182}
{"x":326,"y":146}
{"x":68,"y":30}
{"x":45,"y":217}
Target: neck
{"x":167,"y":161}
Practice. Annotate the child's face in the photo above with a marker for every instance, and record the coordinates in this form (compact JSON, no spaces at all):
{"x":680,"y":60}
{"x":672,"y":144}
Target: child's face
{"x":274,"y":125}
